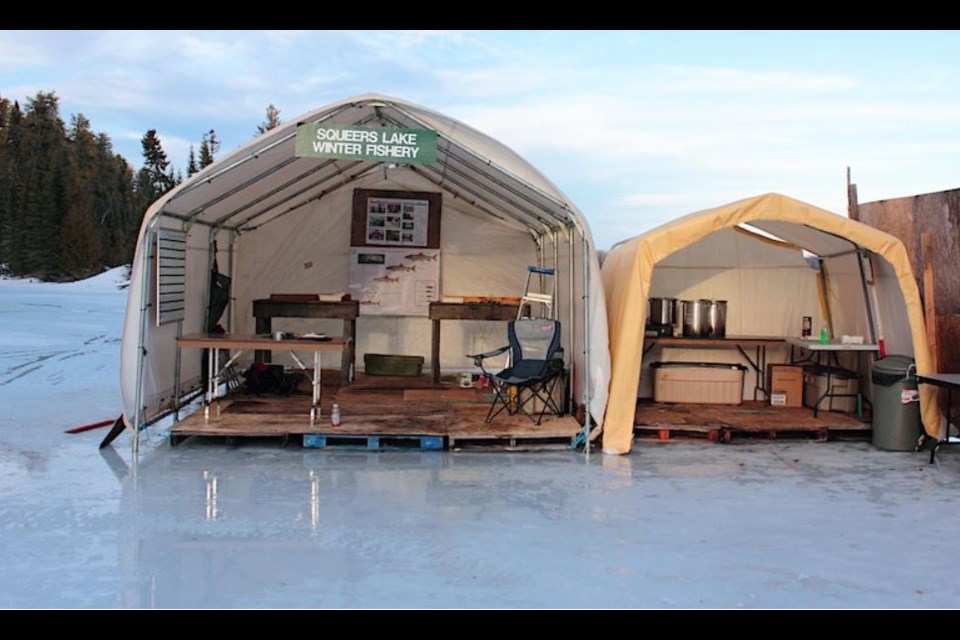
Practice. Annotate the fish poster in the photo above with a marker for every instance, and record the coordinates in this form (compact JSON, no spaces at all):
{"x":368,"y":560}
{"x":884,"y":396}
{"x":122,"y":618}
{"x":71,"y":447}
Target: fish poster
{"x":398,"y":221}
{"x":392,"y":281}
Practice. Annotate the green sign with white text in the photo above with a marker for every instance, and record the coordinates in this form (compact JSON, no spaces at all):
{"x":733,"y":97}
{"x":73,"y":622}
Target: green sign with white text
{"x":377,"y":144}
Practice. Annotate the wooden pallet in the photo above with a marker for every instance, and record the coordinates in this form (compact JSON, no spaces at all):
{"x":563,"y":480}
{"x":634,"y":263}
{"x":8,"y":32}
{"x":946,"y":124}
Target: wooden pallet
{"x":372,"y":442}
{"x":728,"y":433}
{"x":506,"y":441}
{"x":748,"y":421}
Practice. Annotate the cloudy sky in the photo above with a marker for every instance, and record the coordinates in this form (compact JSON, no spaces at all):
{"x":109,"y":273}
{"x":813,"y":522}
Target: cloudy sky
{"x":635,"y":127}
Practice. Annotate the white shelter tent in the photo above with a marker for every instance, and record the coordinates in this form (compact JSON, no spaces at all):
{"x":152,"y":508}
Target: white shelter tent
{"x":276,"y":222}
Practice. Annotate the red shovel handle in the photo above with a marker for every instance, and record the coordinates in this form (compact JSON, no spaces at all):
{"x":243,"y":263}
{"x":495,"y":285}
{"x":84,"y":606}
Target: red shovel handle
{"x":88,"y":427}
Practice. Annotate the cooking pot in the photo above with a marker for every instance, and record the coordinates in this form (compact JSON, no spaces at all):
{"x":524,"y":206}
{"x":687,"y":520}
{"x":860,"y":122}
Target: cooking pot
{"x":663,"y":311}
{"x":696,"y":318}
{"x":718,"y":318}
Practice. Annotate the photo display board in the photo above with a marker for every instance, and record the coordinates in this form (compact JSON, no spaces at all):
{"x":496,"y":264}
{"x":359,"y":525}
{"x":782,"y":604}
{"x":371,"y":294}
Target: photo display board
{"x":395,"y":219}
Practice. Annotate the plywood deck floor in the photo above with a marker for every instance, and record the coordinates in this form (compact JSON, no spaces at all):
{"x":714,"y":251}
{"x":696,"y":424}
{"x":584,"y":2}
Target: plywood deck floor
{"x":380,"y":406}
{"x":750,"y":419}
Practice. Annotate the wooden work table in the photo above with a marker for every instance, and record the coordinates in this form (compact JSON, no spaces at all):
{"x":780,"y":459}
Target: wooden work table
{"x":240,"y":343}
{"x":464,"y":311}
{"x":266,"y":309}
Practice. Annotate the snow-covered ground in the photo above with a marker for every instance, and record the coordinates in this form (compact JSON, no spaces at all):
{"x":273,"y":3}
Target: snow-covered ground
{"x":779,"y":524}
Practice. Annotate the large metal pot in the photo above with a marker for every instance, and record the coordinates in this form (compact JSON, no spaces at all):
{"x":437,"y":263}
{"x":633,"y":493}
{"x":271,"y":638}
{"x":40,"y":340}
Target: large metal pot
{"x":718,"y":318}
{"x":663,"y":311}
{"x":696,"y":318}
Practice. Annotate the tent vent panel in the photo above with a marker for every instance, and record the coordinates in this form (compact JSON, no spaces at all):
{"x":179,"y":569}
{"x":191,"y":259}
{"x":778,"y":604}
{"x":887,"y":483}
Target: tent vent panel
{"x":171,"y":275}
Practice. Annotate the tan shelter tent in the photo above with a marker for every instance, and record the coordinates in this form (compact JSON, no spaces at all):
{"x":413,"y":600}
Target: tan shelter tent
{"x":757,"y":254}
{"x":275,"y":221}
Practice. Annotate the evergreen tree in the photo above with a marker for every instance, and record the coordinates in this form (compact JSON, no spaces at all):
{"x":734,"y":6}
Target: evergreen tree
{"x":120,"y":217}
{"x":155,"y":177}
{"x":272,"y":121}
{"x":8,"y":114}
{"x":40,"y":191}
{"x":5,"y":110}
{"x":192,"y":166}
{"x":10,"y":190}
{"x":209,"y":146}
{"x":67,"y":203}
{"x":79,"y":242}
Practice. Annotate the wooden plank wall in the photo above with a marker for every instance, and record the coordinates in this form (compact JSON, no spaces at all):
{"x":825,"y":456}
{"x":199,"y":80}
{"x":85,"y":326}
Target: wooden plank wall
{"x":935,"y":217}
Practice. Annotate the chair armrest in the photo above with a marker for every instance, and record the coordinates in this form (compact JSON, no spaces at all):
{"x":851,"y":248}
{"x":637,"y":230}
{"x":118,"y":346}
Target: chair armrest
{"x":479,"y":357}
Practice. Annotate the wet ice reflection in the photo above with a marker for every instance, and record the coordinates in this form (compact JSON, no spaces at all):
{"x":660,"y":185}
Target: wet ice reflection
{"x":257,"y":525}
{"x":314,"y":499}
{"x":211,"y":497}
{"x":392,"y":524}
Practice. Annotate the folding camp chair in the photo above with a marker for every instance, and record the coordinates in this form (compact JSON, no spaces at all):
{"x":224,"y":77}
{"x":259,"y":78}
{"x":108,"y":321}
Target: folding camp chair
{"x":537,"y":366}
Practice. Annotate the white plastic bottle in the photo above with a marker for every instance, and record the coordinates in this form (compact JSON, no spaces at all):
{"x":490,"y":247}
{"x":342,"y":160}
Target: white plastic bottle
{"x":335,"y":415}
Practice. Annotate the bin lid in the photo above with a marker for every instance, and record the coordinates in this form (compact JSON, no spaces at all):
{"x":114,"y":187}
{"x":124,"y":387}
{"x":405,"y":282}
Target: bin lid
{"x":892,"y":369}
{"x":717,"y":365}
{"x":835,"y":372}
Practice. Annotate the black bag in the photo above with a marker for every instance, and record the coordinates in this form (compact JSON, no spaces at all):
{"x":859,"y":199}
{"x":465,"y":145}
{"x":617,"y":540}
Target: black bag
{"x":270,"y":379}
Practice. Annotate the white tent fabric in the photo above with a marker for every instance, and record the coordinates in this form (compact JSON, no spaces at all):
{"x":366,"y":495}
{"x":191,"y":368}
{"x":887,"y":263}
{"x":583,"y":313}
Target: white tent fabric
{"x":281,"y":223}
{"x":749,"y":253}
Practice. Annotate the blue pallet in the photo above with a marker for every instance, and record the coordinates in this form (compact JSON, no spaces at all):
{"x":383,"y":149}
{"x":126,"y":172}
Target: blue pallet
{"x":375,"y":443}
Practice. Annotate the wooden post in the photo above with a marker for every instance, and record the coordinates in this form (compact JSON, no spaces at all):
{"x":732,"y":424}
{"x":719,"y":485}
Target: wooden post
{"x":853,"y":207}
{"x":929,"y":298}
{"x":435,"y":351}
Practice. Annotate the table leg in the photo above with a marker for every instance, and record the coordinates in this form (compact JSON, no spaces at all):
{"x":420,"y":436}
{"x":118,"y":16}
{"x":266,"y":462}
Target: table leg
{"x":757,"y":366}
{"x":315,"y":406}
{"x":208,"y":396}
{"x":216,"y":378}
{"x":435,"y":351}
{"x":946,"y":429}
{"x":761,"y":373}
{"x":264,"y":327}
{"x":348,"y":357}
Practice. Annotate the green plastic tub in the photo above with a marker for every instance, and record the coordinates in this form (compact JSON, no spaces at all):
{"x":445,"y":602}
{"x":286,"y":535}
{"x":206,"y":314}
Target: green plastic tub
{"x":380,"y":364}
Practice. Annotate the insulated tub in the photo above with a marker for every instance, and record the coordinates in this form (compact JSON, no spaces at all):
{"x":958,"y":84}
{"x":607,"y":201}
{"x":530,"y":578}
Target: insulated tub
{"x":698,"y":382}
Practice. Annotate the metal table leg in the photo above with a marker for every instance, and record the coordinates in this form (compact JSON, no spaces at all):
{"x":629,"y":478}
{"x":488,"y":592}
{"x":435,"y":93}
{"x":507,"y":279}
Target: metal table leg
{"x":315,"y":380}
{"x":208,"y":396}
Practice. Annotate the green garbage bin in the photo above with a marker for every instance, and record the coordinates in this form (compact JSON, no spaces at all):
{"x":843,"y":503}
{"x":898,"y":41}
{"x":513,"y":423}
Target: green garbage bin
{"x":896,"y":404}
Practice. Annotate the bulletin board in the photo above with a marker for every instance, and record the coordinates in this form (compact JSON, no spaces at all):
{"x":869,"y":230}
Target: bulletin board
{"x":403,"y":219}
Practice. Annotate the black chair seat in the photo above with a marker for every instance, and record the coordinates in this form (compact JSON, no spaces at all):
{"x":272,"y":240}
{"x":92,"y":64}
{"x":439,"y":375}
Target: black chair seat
{"x":537,"y":367}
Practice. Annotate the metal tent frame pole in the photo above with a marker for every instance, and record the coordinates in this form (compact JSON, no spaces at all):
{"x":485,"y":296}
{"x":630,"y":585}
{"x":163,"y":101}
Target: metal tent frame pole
{"x":141,"y":350}
{"x":571,"y":311}
{"x":861,"y":255}
{"x":586,"y":344}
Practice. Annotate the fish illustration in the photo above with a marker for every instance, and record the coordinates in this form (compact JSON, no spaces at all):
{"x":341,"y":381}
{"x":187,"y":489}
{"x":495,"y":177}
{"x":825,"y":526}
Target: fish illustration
{"x":402,"y":267}
{"x":386,"y":279}
{"x":420,"y":257}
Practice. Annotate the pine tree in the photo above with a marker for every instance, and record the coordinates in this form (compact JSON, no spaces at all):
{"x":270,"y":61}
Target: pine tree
{"x":121,"y":217}
{"x":272,"y":121}
{"x":11,"y":240}
{"x":192,"y":167}
{"x":66,"y":199}
{"x":5,"y":110}
{"x":41,"y":209}
{"x":209,"y":146}
{"x":155,"y":177}
{"x":79,"y":242}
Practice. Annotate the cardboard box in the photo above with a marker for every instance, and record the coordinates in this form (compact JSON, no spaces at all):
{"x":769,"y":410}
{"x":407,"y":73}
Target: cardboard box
{"x":785,"y":385}
{"x":698,"y":383}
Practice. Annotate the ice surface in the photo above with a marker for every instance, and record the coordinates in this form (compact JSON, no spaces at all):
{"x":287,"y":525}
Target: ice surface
{"x":204,"y":525}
